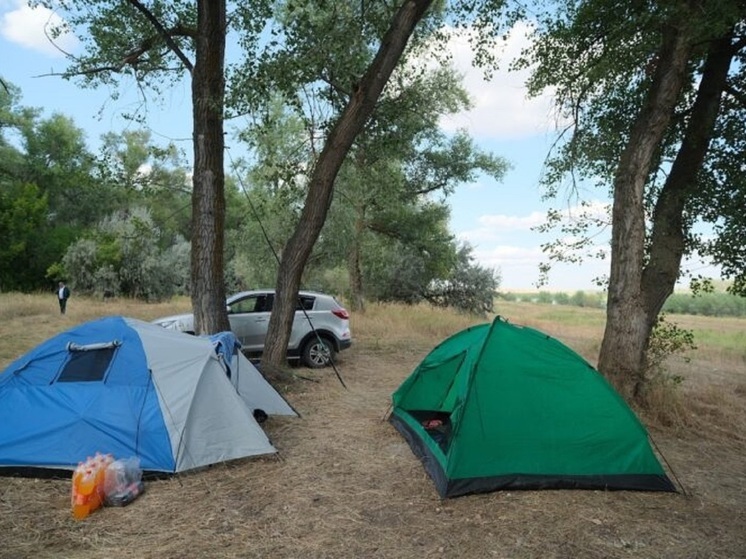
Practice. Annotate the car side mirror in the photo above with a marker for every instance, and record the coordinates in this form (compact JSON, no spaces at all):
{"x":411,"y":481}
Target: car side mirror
{"x":228,"y":308}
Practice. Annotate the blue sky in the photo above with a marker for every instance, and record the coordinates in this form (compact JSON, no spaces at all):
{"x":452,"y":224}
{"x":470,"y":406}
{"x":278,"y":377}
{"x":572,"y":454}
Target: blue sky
{"x":495,"y":218}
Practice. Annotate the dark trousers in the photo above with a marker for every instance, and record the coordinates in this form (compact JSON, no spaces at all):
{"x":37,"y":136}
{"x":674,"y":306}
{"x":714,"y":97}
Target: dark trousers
{"x":63,"y":304}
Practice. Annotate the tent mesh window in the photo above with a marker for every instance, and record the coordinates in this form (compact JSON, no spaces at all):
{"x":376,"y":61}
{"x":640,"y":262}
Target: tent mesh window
{"x":87,"y":365}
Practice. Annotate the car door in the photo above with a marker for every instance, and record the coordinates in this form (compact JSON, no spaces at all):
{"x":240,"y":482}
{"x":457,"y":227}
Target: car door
{"x":249,"y":319}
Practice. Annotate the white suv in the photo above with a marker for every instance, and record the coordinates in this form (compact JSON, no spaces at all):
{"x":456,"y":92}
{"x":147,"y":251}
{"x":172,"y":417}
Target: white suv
{"x":321,"y":326}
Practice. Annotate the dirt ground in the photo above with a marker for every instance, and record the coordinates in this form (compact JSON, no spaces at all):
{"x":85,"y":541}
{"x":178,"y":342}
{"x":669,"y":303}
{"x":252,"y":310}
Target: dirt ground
{"x":345,"y":485}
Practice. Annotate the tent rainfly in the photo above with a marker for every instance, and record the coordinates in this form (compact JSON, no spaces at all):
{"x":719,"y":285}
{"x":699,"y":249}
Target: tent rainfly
{"x":500,"y":406}
{"x":130,"y":388}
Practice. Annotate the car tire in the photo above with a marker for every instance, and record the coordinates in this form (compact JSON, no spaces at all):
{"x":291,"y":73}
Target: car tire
{"x":317,"y":353}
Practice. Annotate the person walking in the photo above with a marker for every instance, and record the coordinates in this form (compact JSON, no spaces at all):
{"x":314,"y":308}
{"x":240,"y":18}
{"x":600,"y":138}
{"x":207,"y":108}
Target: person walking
{"x":63,"y":294}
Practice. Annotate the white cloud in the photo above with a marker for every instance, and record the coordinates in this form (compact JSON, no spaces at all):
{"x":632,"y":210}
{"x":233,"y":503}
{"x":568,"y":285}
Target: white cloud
{"x":512,"y":222}
{"x":492,"y":227}
{"x":509,"y":243}
{"x":494,"y":247}
{"x":596,"y":210}
{"x":26,"y":27}
{"x":502,"y":255}
{"x":502,"y":109}
{"x":519,"y":268}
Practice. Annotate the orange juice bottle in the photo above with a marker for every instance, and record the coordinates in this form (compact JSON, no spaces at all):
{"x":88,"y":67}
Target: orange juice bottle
{"x":87,"y":483}
{"x":81,"y":508}
{"x":82,"y":486}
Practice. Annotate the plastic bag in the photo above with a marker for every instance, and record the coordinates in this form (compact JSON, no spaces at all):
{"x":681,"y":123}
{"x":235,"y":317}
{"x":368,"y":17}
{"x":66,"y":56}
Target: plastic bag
{"x":123,"y":482}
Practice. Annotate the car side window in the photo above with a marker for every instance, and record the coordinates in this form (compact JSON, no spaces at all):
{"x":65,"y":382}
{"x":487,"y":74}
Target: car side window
{"x":244,"y":305}
{"x":253,"y":304}
{"x":305,"y":303}
{"x":264,"y":303}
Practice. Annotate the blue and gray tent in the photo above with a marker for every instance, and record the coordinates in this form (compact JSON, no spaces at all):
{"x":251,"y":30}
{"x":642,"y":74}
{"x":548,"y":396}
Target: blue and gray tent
{"x":130,"y":388}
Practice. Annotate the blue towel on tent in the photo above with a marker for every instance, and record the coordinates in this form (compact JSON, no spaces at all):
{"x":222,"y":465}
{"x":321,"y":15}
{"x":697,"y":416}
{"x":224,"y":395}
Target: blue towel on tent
{"x":226,"y":345}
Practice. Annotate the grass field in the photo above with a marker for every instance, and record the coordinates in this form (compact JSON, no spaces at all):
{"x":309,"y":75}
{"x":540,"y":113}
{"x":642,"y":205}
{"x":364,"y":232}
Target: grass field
{"x":346,"y":485}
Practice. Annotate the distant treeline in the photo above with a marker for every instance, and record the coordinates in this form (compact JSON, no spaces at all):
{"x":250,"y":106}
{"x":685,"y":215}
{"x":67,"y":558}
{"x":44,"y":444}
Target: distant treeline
{"x":706,"y":304}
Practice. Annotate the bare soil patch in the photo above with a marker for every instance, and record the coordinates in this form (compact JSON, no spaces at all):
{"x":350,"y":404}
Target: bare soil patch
{"x":346,"y":485}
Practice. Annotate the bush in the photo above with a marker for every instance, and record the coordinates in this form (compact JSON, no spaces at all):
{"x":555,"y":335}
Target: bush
{"x":706,"y":304}
{"x":123,"y":256}
{"x":470,"y":288}
{"x":666,"y":340}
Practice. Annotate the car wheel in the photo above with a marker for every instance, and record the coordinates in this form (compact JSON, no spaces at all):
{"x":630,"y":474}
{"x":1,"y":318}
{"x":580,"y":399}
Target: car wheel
{"x":317,"y":353}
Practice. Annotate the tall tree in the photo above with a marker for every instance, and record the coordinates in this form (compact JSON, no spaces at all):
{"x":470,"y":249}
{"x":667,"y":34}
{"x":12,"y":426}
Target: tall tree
{"x":145,"y":174}
{"x":23,"y":212}
{"x":208,"y":196}
{"x":402,"y":158}
{"x":152,"y":43}
{"x":23,"y":208}
{"x":49,"y":191}
{"x":628,"y":324}
{"x":367,"y":86}
{"x":362,"y":44}
{"x":388,"y":190}
{"x":337,"y":145}
{"x":643,"y":85}
{"x":58,"y":161}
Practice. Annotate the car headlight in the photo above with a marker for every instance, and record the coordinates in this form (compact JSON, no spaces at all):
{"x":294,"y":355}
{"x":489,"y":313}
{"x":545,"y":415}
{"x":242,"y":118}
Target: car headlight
{"x":169,"y":324}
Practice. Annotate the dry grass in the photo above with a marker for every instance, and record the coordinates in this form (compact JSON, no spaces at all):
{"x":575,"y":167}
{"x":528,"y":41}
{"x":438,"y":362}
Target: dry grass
{"x":345,"y":484}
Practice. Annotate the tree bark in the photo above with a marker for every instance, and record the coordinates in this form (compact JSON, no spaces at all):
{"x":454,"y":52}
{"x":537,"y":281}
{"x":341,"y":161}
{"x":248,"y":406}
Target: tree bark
{"x":321,"y":185}
{"x":667,"y":241}
{"x":628,"y":325}
{"x":208,"y":196}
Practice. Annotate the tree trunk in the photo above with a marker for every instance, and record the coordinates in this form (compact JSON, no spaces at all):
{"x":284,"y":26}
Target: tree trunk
{"x":208,"y":196}
{"x":319,"y":196}
{"x":628,"y":325}
{"x":354,"y":270}
{"x":669,"y":226}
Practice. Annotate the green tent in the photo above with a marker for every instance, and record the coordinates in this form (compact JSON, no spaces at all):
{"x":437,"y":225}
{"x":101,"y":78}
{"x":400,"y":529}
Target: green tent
{"x":500,"y":406}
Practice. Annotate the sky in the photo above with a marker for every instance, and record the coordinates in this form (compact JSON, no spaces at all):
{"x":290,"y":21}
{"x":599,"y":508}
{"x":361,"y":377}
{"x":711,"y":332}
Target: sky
{"x":496,"y":218}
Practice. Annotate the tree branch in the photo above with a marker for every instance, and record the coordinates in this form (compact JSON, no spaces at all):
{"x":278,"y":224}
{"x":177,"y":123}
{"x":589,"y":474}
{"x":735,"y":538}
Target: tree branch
{"x":168,"y":38}
{"x":131,"y":58}
{"x":343,"y":92}
{"x":440,"y":185}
